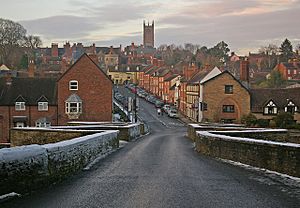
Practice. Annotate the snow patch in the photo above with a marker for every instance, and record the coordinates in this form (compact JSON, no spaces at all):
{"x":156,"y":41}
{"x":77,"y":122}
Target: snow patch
{"x":208,"y":134}
{"x":9,"y":196}
{"x":249,"y":167}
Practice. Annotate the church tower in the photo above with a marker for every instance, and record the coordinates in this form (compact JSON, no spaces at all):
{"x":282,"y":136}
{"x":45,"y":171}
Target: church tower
{"x":148,"y":34}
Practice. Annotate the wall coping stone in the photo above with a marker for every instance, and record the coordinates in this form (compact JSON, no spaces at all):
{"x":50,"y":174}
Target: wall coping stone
{"x":246,"y":140}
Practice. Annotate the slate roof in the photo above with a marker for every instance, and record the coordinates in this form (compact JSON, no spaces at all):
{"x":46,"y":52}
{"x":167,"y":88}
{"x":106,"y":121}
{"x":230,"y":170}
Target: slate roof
{"x":261,"y":97}
{"x":198,"y":77}
{"x":126,"y":68}
{"x":290,"y":66}
{"x":31,"y":90}
{"x":171,"y":77}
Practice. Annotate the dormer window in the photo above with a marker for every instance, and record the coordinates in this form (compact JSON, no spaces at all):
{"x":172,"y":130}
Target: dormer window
{"x":73,"y":85}
{"x":271,"y":108}
{"x":290,"y":107}
{"x":20,"y":106}
{"x":42,"y":106}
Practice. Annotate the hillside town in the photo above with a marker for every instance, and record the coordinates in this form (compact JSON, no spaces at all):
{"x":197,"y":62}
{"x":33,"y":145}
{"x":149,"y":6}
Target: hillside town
{"x":210,"y":86}
{"x":65,"y":107}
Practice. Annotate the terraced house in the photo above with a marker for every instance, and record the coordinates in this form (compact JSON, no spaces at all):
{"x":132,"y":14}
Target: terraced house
{"x":82,"y":93}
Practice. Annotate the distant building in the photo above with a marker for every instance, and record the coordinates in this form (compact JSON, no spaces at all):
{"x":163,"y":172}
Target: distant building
{"x":289,"y":71}
{"x":148,"y":32}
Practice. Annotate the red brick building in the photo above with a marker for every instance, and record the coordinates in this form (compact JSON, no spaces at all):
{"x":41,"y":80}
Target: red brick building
{"x":82,"y":93}
{"x":289,"y":71}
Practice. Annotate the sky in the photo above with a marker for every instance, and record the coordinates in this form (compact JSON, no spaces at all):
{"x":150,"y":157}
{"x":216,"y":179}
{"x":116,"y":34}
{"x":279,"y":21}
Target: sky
{"x":245,"y":25}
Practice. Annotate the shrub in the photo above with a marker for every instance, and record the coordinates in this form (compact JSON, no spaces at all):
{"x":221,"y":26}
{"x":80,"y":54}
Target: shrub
{"x":263,"y":123}
{"x":249,"y":120}
{"x":284,"y":120}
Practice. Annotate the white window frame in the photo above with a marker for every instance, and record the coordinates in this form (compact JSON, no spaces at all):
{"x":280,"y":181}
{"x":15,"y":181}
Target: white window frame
{"x":76,"y":109}
{"x":20,"y":124}
{"x":271,"y":109}
{"x":42,"y":106}
{"x":20,"y":106}
{"x":73,"y":85}
{"x":42,"y":125}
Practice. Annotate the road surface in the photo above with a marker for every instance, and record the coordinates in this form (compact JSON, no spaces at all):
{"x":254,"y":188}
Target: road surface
{"x":163,"y":170}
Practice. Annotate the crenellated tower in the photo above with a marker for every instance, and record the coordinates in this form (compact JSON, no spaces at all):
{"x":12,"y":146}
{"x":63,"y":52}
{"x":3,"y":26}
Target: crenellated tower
{"x":148,"y":31}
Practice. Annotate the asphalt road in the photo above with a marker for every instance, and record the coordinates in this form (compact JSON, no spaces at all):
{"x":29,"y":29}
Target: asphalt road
{"x":163,"y":170}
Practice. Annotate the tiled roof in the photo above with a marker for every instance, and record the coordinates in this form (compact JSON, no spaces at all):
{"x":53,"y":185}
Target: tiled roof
{"x":171,"y":77}
{"x":125,"y":68}
{"x":29,"y":89}
{"x":260,"y":97}
{"x":289,"y":66}
{"x":198,"y":77}
{"x":151,"y":70}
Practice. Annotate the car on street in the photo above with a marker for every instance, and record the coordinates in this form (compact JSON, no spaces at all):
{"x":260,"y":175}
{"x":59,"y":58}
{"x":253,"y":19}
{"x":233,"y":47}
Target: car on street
{"x":173,"y":113}
{"x":166,"y":108}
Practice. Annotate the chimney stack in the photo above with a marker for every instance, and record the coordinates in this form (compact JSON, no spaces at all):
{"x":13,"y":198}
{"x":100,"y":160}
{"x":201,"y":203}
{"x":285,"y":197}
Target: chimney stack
{"x":54,"y":50}
{"x":8,"y":79}
{"x":31,"y":69}
{"x":244,"y":71}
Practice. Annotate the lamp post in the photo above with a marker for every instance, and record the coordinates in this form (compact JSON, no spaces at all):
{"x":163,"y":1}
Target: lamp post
{"x":135,"y":97}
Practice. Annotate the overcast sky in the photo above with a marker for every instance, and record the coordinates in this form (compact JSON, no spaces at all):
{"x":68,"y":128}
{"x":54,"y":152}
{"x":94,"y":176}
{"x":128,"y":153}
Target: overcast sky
{"x":244,"y":25}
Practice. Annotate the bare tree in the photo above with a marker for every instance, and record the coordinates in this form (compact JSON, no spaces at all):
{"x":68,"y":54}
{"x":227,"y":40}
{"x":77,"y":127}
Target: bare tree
{"x":11,"y":37}
{"x":33,"y":42}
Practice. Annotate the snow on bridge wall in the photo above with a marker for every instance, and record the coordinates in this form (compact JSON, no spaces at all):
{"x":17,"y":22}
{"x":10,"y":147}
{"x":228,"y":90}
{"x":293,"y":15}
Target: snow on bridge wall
{"x":282,"y":157}
{"x":30,"y":167}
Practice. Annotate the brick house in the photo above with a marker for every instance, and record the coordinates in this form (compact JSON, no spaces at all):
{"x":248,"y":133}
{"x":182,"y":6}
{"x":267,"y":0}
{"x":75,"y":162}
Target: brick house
{"x":267,"y":103}
{"x":141,"y":75}
{"x":169,"y":82}
{"x":27,"y":102}
{"x":121,"y":74}
{"x":148,"y":82}
{"x":42,"y":102}
{"x":192,"y":95}
{"x":224,"y":99}
{"x":289,"y":71}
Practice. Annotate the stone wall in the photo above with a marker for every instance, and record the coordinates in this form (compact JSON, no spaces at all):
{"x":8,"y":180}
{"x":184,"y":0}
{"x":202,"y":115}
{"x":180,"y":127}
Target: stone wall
{"x":26,"y":168}
{"x":276,"y":156}
{"x":127,"y":131}
{"x":278,"y":135}
{"x":193,"y":128}
{"x":27,"y":136}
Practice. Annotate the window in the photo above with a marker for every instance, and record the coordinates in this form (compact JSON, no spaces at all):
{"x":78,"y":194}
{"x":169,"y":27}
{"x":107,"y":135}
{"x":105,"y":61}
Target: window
{"x":42,"y":106}
{"x":290,"y":107}
{"x":228,"y":108}
{"x":20,"y":124}
{"x":42,"y":124}
{"x":73,"y":85}
{"x":73,"y":107}
{"x":270,"y":108}
{"x":289,"y":71}
{"x":228,"y":89}
{"x":20,"y":106}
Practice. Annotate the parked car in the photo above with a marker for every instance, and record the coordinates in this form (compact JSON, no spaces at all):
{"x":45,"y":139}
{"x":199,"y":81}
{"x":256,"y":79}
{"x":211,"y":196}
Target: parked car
{"x":166,"y":108}
{"x":173,"y":113}
{"x":159,"y":104}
